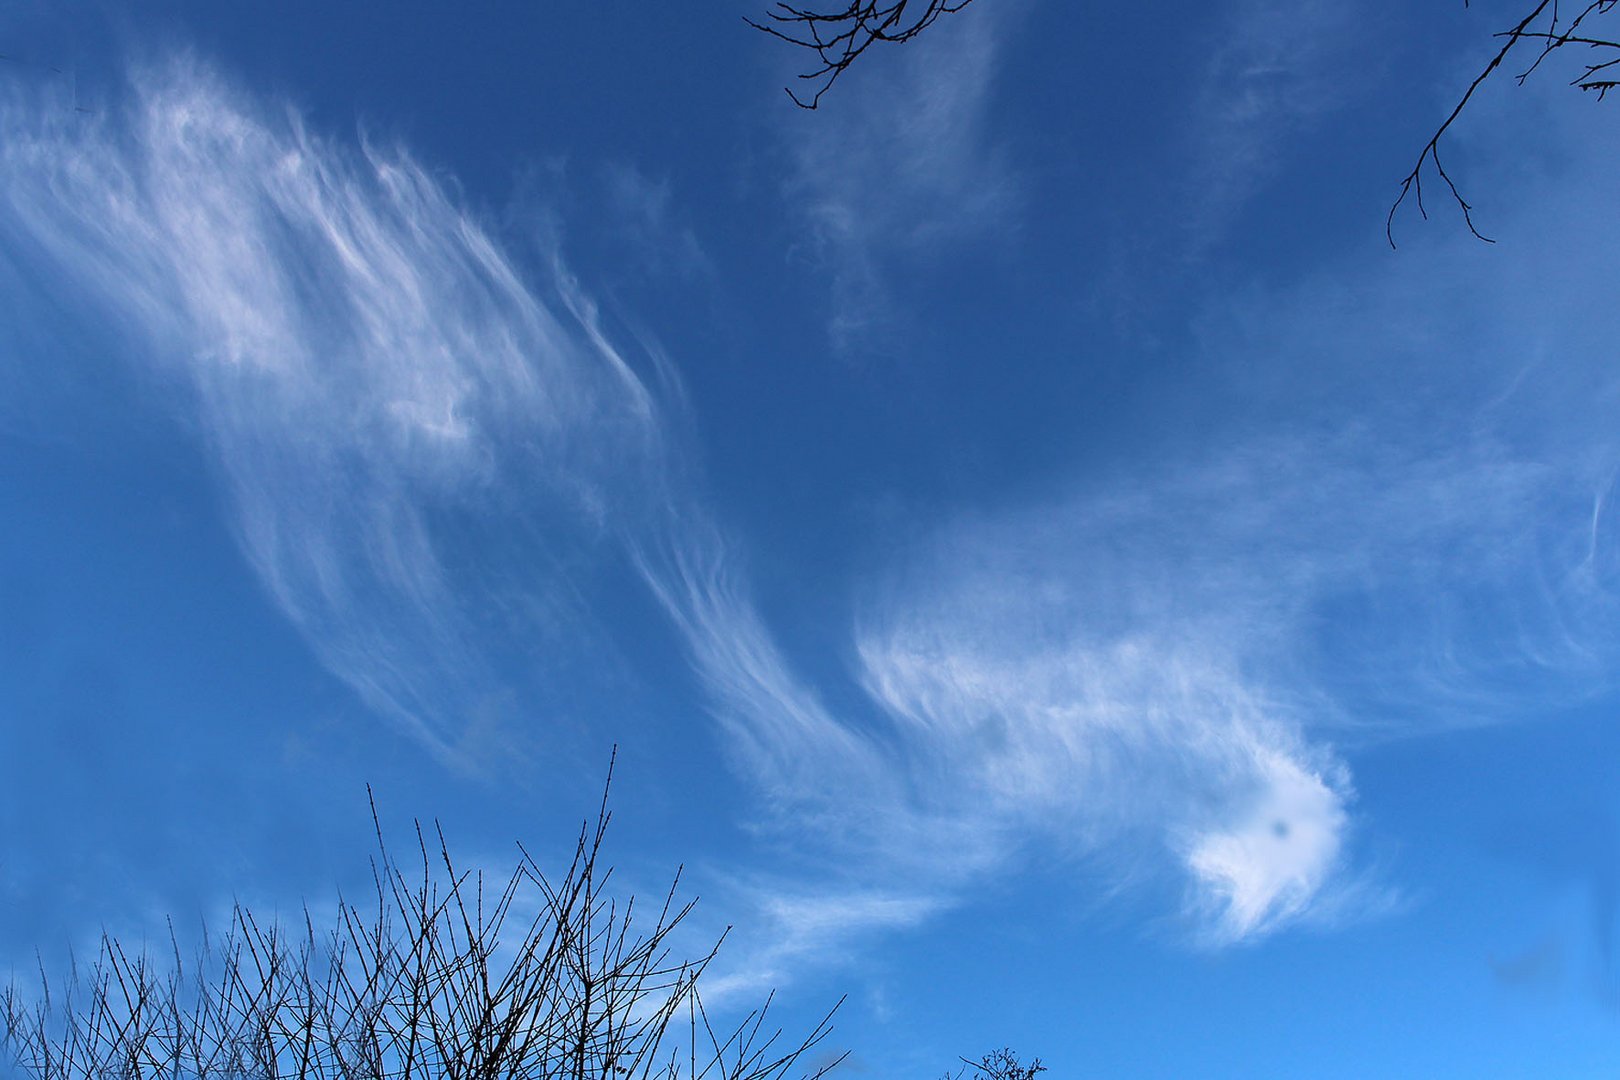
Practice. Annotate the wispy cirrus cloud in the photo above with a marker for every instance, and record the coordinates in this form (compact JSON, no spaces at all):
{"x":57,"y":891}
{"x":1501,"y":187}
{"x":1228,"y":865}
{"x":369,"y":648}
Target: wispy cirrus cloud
{"x":380,"y":385}
{"x":1152,"y":666}
{"x":898,"y":163}
{"x":807,"y":925}
{"x":1055,"y":666}
{"x":378,"y":382}
{"x":418,"y":442}
{"x":777,"y":727}
{"x":1273,"y":70}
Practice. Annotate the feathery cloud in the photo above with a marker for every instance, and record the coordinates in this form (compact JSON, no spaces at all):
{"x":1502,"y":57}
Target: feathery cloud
{"x":898,"y":163}
{"x":372,"y":373}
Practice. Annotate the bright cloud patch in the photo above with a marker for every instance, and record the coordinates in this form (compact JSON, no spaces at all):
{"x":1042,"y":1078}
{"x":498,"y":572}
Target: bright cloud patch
{"x":1268,"y":866}
{"x":1100,"y":740}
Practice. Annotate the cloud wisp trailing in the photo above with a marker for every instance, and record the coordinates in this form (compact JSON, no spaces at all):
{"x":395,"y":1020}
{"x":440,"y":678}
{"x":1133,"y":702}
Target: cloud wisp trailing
{"x":895,"y":166}
{"x":377,"y":382}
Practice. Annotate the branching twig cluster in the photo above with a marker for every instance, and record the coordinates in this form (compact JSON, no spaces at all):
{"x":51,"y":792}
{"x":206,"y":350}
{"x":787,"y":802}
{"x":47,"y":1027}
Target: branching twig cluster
{"x":839,"y":37}
{"x":1000,"y":1064}
{"x":441,"y":976}
{"x":1551,"y":28}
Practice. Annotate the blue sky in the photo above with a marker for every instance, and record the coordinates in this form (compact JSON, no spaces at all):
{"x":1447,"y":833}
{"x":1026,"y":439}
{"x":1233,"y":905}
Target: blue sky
{"x":1052,"y":572}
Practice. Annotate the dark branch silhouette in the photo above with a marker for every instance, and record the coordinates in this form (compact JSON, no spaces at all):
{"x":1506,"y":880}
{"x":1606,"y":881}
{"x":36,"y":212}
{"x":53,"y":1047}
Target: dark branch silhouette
{"x":439,"y":975}
{"x":1547,"y":25}
{"x":838,"y":38}
{"x":1000,"y":1064}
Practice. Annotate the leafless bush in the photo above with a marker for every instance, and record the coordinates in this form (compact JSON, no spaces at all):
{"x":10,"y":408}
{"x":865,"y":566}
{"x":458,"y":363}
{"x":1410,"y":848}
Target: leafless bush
{"x":440,"y":976}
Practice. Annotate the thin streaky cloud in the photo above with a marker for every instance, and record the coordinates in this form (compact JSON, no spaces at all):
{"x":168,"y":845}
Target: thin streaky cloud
{"x":1275,"y":69}
{"x":373,"y":374}
{"x":776,"y":726}
{"x":899,"y":164}
{"x":1094,"y":744}
{"x":797,"y":927}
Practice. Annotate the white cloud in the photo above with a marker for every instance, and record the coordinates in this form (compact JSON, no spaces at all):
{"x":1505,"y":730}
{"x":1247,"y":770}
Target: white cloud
{"x":1265,"y":868}
{"x":416,"y":439}
{"x":1112,"y":718}
{"x":898,"y":161}
{"x":1153,"y":661}
{"x":776,"y":726}
{"x":795,"y":927}
{"x":1162,"y":660}
{"x":371,"y":371}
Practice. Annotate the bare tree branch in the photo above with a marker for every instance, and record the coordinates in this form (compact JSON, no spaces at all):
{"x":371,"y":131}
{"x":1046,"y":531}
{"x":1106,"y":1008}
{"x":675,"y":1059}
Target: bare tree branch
{"x":838,"y":38}
{"x":1544,"y":24}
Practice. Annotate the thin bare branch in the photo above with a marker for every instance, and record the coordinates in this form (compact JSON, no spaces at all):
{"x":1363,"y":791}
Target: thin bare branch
{"x":838,"y":37}
{"x":1544,"y":24}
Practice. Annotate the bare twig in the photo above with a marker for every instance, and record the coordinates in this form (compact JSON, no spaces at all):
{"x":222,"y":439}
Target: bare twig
{"x":1555,"y":33}
{"x":839,"y":37}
